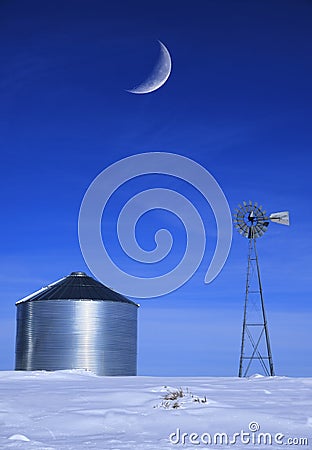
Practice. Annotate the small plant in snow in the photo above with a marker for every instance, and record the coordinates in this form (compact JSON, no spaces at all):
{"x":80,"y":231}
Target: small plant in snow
{"x":174,"y":395}
{"x":200,"y":400}
{"x":174,"y":399}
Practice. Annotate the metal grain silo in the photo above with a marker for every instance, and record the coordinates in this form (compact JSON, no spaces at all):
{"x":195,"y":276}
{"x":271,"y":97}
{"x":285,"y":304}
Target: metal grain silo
{"x":77,"y":323}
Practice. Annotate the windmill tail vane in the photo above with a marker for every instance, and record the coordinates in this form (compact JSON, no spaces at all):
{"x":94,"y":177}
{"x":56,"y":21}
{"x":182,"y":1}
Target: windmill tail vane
{"x":280,"y":217}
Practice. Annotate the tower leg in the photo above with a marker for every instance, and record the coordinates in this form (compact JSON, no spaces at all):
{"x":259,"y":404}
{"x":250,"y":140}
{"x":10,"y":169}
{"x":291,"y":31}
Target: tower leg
{"x":255,"y":344}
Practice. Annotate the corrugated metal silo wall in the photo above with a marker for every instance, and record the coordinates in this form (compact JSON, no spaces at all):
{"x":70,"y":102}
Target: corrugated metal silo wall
{"x":100,"y":336}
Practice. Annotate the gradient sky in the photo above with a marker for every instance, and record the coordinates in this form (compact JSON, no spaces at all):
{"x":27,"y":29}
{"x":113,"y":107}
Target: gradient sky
{"x":238,"y":102}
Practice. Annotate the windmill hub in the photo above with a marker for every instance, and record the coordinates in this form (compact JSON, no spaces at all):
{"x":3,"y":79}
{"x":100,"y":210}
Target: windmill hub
{"x":252,"y":218}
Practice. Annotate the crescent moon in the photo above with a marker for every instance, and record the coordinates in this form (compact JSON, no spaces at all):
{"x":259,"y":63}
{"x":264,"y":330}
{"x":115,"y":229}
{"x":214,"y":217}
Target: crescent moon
{"x":159,"y":74}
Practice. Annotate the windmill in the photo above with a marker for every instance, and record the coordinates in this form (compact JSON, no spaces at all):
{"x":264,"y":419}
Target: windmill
{"x":251,"y":221}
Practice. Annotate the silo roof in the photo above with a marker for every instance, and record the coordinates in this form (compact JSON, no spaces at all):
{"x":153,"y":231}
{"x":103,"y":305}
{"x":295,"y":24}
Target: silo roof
{"x":76,"y":286}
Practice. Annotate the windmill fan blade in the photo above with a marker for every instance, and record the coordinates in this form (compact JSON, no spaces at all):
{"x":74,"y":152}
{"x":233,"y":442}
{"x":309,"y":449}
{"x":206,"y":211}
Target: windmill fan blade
{"x":280,"y":217}
{"x":258,"y":229}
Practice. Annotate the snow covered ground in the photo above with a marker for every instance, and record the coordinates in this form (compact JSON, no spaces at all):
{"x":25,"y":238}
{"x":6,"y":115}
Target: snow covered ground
{"x":78,"y":410}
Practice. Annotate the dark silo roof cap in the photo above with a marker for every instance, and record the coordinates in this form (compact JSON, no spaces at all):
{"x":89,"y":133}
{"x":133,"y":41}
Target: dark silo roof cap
{"x":76,"y":286}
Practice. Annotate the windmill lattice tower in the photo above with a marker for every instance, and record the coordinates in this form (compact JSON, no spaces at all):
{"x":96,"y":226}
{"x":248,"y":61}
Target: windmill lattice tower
{"x":252,"y":221}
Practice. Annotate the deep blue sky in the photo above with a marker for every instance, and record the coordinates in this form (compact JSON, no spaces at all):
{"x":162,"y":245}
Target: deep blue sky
{"x":238,"y":102}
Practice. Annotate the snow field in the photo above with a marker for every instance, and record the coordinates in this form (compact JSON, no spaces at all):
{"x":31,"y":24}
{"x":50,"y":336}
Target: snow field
{"x":74,"y":410}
